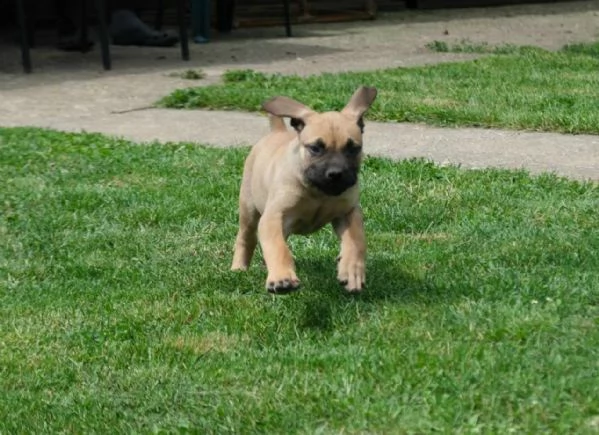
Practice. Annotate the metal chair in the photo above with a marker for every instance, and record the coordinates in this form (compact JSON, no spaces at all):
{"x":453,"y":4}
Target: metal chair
{"x":26,"y":32}
{"x":286,"y":11}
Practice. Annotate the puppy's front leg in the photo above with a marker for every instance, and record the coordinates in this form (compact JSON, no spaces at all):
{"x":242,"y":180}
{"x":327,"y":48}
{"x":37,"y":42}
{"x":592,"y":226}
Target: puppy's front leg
{"x":351,"y":268}
{"x":279,"y":261}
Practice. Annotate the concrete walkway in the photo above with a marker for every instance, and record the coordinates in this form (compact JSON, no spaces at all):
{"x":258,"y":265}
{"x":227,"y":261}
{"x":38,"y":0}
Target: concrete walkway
{"x":68,"y":91}
{"x":572,"y":156}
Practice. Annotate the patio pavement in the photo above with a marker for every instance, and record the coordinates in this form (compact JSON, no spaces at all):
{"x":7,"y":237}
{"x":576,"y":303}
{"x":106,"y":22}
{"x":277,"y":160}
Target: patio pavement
{"x":69,"y":91}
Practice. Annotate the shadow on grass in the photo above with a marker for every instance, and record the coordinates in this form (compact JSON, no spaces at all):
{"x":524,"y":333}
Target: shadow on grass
{"x":386,"y":280}
{"x":328,"y":307}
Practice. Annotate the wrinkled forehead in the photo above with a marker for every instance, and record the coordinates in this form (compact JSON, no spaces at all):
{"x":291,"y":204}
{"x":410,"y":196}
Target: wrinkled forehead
{"x":333,"y":128}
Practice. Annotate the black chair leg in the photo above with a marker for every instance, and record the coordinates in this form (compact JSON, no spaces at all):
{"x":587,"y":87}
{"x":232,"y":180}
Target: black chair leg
{"x":287,"y":17}
{"x":83,"y":26}
{"x":159,"y":15}
{"x":182,"y":29}
{"x":225,"y":13}
{"x":103,"y":34}
{"x":24,"y":28}
{"x":30,"y":11}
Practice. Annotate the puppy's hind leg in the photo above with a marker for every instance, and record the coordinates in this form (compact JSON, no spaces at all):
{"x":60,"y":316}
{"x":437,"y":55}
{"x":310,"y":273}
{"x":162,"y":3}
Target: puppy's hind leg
{"x":247,"y":237}
{"x":351,"y":262}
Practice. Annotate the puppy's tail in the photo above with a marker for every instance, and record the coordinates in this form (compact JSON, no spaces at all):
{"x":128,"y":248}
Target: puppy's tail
{"x":276,"y":123}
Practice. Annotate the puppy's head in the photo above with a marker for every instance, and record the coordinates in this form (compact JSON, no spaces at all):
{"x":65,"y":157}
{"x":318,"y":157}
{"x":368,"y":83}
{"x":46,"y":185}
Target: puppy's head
{"x":330,"y":143}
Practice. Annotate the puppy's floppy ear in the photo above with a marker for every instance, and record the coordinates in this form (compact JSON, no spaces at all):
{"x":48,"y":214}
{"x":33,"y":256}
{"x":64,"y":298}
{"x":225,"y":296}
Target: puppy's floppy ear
{"x":359,"y":103}
{"x":286,"y":107}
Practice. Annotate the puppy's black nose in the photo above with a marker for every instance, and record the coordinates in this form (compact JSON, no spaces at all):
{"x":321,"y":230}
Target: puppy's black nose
{"x":334,"y":174}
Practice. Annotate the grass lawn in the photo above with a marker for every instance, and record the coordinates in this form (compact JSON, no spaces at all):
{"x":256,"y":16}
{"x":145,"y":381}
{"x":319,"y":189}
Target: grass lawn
{"x":527,"y":88}
{"x":118,"y":313}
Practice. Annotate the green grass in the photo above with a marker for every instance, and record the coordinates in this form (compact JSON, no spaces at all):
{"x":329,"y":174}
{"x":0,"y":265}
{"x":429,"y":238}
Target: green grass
{"x":190,"y":74}
{"x":529,"y":88}
{"x":467,"y":46}
{"x":118,"y":313}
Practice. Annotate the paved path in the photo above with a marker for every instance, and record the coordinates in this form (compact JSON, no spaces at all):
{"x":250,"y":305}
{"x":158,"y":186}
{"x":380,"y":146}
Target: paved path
{"x":68,"y":91}
{"x":568,"y":155}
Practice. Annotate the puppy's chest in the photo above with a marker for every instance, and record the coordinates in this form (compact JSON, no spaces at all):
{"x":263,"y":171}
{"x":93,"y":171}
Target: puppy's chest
{"x":310,"y":218}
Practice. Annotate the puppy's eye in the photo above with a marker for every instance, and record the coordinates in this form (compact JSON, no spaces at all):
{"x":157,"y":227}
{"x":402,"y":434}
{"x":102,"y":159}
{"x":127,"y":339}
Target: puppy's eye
{"x":353,"y":150}
{"x":316,"y":149}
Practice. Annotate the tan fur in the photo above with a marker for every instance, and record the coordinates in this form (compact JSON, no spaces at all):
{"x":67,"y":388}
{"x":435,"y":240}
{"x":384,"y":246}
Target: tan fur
{"x":277,"y":123}
{"x":276,"y":201}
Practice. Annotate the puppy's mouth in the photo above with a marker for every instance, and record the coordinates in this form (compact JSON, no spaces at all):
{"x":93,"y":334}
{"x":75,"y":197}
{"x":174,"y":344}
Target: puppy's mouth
{"x":332,"y":185}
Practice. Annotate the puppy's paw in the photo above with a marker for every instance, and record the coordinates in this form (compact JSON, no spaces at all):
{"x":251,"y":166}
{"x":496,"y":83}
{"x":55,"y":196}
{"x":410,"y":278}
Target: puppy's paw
{"x":351,"y":273}
{"x":239,"y":267}
{"x":282,"y":283}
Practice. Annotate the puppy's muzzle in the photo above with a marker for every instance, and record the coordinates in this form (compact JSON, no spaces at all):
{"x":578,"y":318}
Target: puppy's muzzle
{"x":332,"y":180}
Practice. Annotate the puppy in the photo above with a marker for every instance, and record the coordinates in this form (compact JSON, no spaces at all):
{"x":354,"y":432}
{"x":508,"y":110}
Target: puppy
{"x":296,"y":182}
